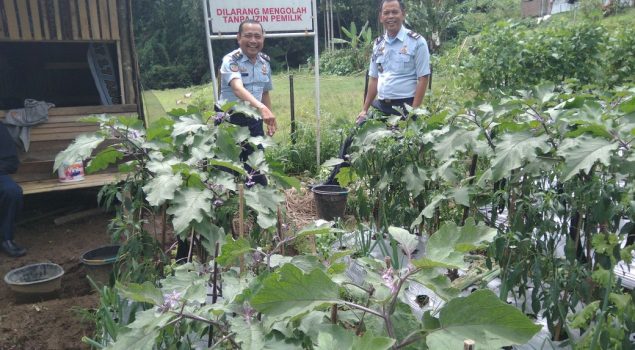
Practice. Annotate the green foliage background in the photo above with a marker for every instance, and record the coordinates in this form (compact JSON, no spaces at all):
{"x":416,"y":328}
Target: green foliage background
{"x":170,"y":40}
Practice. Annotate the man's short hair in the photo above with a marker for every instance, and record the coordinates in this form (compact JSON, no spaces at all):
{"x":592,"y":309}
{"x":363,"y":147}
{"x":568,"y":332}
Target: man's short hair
{"x":401,"y":5}
{"x":250,"y":21}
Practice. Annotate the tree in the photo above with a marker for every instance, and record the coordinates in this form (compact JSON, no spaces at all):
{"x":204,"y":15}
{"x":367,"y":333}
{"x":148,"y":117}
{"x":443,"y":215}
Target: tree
{"x":434,"y":19}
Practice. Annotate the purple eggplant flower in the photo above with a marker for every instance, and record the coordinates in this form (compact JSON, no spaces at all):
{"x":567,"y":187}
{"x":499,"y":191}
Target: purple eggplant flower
{"x":219,"y":118}
{"x":390,"y":280}
{"x":170,"y":301}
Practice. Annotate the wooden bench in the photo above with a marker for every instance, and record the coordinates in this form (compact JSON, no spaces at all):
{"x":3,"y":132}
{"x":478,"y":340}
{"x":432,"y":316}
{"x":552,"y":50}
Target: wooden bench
{"x":35,"y":174}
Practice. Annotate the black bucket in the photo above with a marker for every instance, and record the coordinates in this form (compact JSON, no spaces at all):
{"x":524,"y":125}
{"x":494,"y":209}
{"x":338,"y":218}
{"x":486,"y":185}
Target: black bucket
{"x":99,"y":263}
{"x":330,"y":201}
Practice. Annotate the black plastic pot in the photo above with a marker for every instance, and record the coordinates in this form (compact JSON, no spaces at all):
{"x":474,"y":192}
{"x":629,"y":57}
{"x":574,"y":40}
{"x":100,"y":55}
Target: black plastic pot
{"x":99,"y":262}
{"x":330,"y":201}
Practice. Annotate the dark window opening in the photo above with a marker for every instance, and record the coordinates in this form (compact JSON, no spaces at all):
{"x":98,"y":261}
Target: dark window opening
{"x":59,"y":73}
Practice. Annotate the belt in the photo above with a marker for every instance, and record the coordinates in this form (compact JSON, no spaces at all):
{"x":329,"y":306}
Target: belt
{"x":396,"y":101}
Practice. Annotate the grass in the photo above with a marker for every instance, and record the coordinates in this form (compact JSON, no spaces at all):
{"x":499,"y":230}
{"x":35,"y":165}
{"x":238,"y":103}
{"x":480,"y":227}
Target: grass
{"x":340,"y":100}
{"x":625,"y":18}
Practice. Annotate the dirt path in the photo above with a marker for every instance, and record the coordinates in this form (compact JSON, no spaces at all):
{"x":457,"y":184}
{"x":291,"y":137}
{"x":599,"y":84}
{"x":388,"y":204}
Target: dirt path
{"x":53,"y":323}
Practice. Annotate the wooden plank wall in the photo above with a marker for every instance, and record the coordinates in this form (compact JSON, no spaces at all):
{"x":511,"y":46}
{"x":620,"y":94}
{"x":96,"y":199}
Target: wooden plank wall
{"x":59,"y":20}
{"x":50,"y":138}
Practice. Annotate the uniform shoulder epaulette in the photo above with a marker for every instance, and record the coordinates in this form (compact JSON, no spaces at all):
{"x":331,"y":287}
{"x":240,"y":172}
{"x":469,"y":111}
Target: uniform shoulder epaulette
{"x":414,"y":35}
{"x":237,"y":55}
{"x":379,"y":39}
{"x":265,"y":56}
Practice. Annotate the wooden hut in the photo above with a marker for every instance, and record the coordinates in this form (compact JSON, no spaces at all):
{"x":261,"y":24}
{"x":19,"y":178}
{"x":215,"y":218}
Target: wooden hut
{"x":78,"y":55}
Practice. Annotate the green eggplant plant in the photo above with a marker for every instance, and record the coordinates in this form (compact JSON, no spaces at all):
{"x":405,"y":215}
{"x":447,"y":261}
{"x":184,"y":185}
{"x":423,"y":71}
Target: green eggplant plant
{"x":188,"y":166}
{"x":302,"y":302}
{"x":549,"y":167}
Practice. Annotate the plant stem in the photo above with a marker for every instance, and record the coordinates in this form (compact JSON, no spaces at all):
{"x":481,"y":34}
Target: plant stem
{"x":605,"y":303}
{"x":411,"y":338}
{"x":363,"y":308}
{"x":209,"y":322}
{"x":358,"y":331}
{"x":369,"y":291}
{"x":223,"y":339}
{"x":393,"y":302}
{"x":389,"y":326}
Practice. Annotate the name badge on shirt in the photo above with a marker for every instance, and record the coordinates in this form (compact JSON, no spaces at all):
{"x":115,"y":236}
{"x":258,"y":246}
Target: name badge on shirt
{"x":380,"y":68}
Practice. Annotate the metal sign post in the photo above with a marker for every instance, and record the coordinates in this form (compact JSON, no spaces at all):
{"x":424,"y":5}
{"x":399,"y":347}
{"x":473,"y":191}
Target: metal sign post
{"x":279,"y":18}
{"x":210,"y":53}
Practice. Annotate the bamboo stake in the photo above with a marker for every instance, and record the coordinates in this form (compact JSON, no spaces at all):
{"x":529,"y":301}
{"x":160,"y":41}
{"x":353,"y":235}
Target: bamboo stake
{"x":466,"y":210}
{"x":313,"y":245}
{"x":215,"y":274}
{"x":241,"y":220}
{"x":280,"y":233}
{"x":189,"y":253}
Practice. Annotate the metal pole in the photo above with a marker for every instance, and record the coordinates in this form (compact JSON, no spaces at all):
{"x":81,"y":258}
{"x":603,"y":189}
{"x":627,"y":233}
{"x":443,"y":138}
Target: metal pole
{"x":317,"y":82}
{"x":210,"y":53}
{"x":327,"y":39}
{"x":330,"y":14}
{"x":292,"y":105}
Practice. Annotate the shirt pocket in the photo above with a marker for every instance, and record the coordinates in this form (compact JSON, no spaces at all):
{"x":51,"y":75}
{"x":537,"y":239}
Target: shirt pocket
{"x":380,"y":61}
{"x":263,"y":78}
{"x":260,"y":78}
{"x":405,"y":62}
{"x":247,"y":78}
{"x":256,"y":90}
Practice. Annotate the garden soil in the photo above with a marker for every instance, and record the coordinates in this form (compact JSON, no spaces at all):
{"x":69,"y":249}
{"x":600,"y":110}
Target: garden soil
{"x":56,"y":322}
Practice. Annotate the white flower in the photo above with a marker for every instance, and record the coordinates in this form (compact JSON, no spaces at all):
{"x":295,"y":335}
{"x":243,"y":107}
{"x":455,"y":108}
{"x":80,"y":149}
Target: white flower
{"x":170,"y":301}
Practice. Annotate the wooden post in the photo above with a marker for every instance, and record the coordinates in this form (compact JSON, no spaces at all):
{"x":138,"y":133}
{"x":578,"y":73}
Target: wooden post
{"x":163,"y":225}
{"x":241,"y":220}
{"x":214,"y":276}
{"x":292,"y":106}
{"x":125,"y":27}
{"x":469,"y":344}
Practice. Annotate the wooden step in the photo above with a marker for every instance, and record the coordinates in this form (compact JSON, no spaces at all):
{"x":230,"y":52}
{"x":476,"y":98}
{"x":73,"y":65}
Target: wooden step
{"x":51,"y":185}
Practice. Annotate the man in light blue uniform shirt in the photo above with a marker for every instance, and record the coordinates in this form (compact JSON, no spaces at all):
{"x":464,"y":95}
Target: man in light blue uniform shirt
{"x":399,"y":65}
{"x":255,"y":76}
{"x":246,"y":75}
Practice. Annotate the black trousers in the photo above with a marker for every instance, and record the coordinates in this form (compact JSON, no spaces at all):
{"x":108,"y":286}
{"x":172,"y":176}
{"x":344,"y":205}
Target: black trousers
{"x":10,"y":206}
{"x":384,"y":106}
{"x":388,"y":106}
{"x":255,"y":129}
